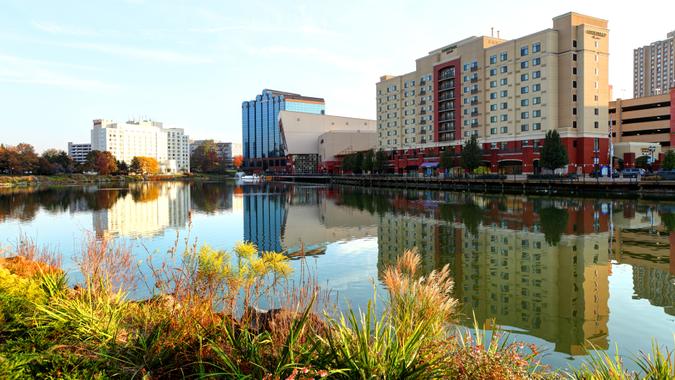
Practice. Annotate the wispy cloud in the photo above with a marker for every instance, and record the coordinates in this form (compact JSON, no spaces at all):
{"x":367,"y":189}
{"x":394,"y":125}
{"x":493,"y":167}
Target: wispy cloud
{"x":328,"y":57}
{"x":53,"y":28}
{"x":140,"y":53}
{"x":255,"y":27}
{"x":19,"y":70}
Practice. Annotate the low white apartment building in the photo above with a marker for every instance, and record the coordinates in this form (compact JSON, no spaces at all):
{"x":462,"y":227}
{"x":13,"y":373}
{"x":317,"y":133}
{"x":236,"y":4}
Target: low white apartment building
{"x":169,"y":146}
{"x":79,"y":152}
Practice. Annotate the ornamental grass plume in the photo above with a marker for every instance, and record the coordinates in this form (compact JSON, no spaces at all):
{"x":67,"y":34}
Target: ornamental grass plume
{"x":414,"y":299}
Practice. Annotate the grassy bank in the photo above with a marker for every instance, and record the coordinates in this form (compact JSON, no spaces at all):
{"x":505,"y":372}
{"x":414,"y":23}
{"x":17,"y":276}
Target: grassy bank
{"x":203,"y":320}
{"x":82,"y":179}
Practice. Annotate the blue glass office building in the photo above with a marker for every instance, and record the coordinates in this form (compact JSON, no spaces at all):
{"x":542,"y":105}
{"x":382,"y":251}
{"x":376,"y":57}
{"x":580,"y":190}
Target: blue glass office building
{"x":261,"y":137}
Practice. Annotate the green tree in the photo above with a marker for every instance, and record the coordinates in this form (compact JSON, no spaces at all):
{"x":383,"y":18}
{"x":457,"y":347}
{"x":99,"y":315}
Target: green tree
{"x":471,"y":154}
{"x":205,"y":158}
{"x":668,"y":161}
{"x":553,"y":223}
{"x":380,"y":161}
{"x":358,"y":162}
{"x":553,"y":153}
{"x":369,"y":161}
{"x":61,"y":162}
{"x":446,"y":159}
{"x":122,"y":168}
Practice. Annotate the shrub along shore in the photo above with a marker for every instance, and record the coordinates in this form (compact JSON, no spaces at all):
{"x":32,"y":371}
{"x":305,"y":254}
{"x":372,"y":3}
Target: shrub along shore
{"x":84,"y":179}
{"x":203,"y":319}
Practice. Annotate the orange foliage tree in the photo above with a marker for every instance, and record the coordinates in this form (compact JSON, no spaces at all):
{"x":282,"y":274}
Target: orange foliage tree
{"x":144,"y":165}
{"x":237,"y":161}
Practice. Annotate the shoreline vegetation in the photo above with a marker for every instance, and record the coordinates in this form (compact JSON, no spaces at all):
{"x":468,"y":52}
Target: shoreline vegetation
{"x":203,"y":318}
{"x":9,"y":181}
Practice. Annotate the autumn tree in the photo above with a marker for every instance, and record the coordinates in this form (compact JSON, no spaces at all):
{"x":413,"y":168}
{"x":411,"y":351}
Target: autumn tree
{"x":103,"y":163}
{"x":237,"y":161}
{"x":144,"y":165}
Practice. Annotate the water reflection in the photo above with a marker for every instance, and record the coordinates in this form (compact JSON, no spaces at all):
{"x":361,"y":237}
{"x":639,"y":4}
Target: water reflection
{"x":283,"y":218}
{"x":538,"y":265}
{"x":541,"y":266}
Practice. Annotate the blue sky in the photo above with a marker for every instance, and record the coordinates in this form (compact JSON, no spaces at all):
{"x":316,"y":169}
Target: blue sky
{"x":191,"y":63}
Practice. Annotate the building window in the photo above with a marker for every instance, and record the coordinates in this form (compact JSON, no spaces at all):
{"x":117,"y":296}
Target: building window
{"x":524,"y":89}
{"x":504,"y":117}
{"x":574,"y":111}
{"x":503,"y":81}
{"x":505,"y":130}
{"x":504,"y":105}
{"x":574,"y":97}
{"x":536,"y":61}
{"x":524,"y":127}
{"x":493,"y":83}
{"x":493,"y":72}
{"x":504,"y":69}
{"x":536,"y":100}
{"x":504,"y":93}
{"x":536,"y":113}
{"x":536,"y":126}
{"x":574,"y":56}
{"x":596,"y":125}
{"x":536,"y":74}
{"x":493,"y":131}
{"x":596,"y":111}
{"x":574,"y":43}
{"x":503,"y":56}
{"x":493,"y":59}
{"x":574,"y":124}
{"x":524,"y":51}
{"x":524,"y":64}
{"x":536,"y":87}
{"x":524,"y":77}
{"x":536,"y":47}
{"x":525,"y":115}
{"x":493,"y":107}
{"x":524,"y":102}
{"x":493,"y":119}
{"x":493,"y":95}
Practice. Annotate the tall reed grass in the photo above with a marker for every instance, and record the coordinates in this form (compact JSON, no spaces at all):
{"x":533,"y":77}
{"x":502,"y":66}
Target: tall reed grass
{"x":203,"y":318}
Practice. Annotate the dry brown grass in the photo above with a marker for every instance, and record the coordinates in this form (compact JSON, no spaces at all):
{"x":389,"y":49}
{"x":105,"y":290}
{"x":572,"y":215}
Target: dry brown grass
{"x":107,"y":266}
{"x":28,"y":259}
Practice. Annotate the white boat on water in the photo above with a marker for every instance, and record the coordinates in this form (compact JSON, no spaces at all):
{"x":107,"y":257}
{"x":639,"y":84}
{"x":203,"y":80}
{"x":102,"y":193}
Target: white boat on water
{"x":242,"y":177}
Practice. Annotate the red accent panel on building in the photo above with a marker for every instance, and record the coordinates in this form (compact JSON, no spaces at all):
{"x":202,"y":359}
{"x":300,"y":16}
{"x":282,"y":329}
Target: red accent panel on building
{"x":457,"y":99}
{"x":672,"y":118}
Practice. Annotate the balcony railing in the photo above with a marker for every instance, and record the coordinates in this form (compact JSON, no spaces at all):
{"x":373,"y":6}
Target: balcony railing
{"x":474,"y":80}
{"x":474,"y":68}
{"x":474,"y":102}
{"x":474,"y":91}
{"x":474,"y":114}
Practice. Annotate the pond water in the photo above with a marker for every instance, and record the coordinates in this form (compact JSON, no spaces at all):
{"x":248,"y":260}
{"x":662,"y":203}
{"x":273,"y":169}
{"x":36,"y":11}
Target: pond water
{"x":564,"y":273}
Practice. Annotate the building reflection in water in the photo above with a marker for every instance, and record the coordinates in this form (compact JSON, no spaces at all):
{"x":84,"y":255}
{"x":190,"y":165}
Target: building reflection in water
{"x":145,"y":210}
{"x":287,"y":219}
{"x":549,"y":278}
{"x":644,"y":237}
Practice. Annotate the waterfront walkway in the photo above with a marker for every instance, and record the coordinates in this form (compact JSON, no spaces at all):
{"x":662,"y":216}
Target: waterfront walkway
{"x":513,"y":184}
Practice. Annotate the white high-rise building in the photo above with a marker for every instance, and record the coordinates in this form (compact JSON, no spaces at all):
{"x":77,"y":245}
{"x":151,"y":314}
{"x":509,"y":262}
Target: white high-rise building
{"x":147,"y":138}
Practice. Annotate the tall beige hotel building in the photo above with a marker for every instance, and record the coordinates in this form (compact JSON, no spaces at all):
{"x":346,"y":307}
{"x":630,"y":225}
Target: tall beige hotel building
{"x":508,"y":93}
